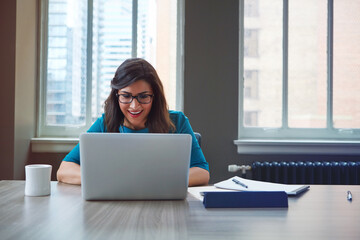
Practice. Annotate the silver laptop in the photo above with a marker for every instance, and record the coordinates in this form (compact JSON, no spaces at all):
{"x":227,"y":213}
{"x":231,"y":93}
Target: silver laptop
{"x":117,"y":166}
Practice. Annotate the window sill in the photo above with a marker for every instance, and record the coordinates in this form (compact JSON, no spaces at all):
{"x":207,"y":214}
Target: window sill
{"x":248,"y":146}
{"x":64,"y":145}
{"x":53,"y":145}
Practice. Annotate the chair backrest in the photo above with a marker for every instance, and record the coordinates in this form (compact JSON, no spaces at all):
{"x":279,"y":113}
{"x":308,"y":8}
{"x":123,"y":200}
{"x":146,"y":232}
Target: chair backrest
{"x":198,"y":137}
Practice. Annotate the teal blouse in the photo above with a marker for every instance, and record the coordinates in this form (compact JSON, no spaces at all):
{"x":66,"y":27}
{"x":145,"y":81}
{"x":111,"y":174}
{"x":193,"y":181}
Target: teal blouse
{"x":181,"y":123}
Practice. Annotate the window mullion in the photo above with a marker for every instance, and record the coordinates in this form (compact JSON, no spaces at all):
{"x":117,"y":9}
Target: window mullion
{"x":134,"y":27}
{"x":285,"y":112}
{"x":44,"y":21}
{"x":89,"y":62}
{"x":179,"y":54}
{"x":241,"y":67}
{"x":330,"y":64}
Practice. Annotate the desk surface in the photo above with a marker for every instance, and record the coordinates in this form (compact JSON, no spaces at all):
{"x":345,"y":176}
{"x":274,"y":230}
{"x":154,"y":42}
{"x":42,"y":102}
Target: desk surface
{"x":323,"y":212}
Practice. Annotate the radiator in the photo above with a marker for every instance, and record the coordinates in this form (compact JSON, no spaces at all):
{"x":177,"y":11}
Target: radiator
{"x":347,"y":173}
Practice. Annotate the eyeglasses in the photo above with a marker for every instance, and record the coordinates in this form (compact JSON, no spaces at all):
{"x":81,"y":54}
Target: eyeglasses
{"x":128,"y":98}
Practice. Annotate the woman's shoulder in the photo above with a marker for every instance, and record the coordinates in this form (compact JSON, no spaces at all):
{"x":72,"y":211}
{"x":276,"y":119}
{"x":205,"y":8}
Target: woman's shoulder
{"x":101,"y":119}
{"x":98,"y":125}
{"x":176,"y":115}
{"x":178,"y":118}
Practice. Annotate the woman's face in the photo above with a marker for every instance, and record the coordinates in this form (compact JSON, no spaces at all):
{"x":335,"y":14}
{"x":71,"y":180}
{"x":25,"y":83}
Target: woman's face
{"x":135,"y":113}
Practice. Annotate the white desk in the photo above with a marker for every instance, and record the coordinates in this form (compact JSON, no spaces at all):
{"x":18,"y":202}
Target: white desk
{"x":321,"y":213}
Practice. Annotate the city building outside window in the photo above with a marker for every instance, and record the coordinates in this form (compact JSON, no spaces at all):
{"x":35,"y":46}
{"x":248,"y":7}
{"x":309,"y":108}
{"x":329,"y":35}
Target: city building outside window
{"x":83,"y":43}
{"x":306,"y":56}
{"x":251,"y":89}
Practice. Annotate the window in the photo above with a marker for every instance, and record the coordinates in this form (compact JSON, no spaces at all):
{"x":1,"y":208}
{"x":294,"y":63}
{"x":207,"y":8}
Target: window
{"x":299,"y":68}
{"x":251,"y":42}
{"x":251,"y":8}
{"x":250,"y":118}
{"x":251,"y":84}
{"x":83,"y":43}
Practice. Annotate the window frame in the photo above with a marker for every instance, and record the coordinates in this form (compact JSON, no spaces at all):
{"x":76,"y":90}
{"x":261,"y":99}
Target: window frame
{"x":329,"y":140}
{"x":62,"y":132}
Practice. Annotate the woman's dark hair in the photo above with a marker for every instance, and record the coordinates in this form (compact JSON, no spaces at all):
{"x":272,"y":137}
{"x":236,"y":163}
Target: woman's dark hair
{"x":130,"y":71}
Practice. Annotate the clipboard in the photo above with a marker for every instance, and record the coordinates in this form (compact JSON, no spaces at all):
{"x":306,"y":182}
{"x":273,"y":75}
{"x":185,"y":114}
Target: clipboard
{"x":299,"y":190}
{"x":252,"y":185}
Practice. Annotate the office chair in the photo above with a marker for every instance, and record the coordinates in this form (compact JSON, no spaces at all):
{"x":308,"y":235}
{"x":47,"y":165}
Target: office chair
{"x":198,"y":137}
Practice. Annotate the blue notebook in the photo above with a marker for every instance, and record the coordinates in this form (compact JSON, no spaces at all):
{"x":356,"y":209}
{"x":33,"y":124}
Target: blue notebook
{"x":236,"y":199}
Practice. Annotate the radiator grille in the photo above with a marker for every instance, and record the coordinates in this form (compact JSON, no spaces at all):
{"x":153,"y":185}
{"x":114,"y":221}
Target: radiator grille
{"x":347,"y":173}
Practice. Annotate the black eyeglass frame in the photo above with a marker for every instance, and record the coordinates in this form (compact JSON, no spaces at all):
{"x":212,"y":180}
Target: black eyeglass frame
{"x":137,"y":98}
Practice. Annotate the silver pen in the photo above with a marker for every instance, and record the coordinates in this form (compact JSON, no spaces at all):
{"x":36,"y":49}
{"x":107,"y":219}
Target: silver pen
{"x":240,"y":183}
{"x":349,"y":196}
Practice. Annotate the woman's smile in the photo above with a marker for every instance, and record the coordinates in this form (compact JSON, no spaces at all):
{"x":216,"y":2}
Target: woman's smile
{"x":135,"y":114}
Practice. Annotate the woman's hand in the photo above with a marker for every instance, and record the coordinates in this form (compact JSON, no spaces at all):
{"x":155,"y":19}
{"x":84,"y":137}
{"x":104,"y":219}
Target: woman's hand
{"x":69,"y":172}
{"x":198,"y":176}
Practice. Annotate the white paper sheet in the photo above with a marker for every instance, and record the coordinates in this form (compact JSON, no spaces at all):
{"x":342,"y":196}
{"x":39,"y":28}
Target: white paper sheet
{"x":260,"y":186}
{"x":196,"y":191}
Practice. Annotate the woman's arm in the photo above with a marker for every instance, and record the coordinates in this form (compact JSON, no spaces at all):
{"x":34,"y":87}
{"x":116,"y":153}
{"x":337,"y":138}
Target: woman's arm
{"x":69,"y":172}
{"x":198,"y":176}
{"x":199,"y":168}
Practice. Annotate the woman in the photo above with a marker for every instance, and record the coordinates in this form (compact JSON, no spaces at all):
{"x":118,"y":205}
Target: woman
{"x":137,"y":104}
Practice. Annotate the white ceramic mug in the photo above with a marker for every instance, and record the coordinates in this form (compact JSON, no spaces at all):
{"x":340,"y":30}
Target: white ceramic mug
{"x":38,"y":178}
